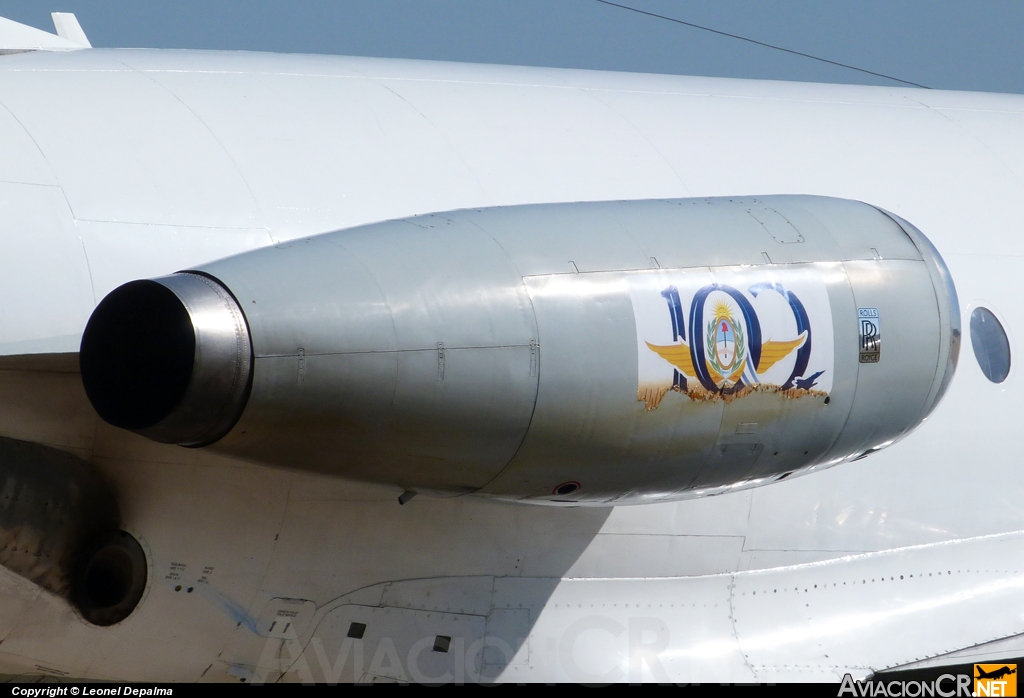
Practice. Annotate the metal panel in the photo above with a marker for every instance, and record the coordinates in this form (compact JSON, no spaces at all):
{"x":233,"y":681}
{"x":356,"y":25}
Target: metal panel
{"x":544,"y":239}
{"x":41,"y":250}
{"x":638,"y":630}
{"x":397,"y":644}
{"x":407,"y":348}
{"x":129,"y":151}
{"x":862,"y":232}
{"x":285,"y":617}
{"x":690,"y":233}
{"x":894,"y":390}
{"x":115,"y":247}
{"x":313,"y":145}
{"x":444,"y":281}
{"x":583,"y":426}
{"x":309,"y":294}
{"x":345,"y":401}
{"x":589,"y":421}
{"x":22,"y":162}
{"x":871,"y":612}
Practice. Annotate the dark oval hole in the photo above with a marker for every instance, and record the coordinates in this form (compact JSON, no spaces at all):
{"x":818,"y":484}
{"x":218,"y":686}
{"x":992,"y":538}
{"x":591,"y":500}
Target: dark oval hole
{"x":137,"y":354}
{"x":567,"y":488}
{"x":108,"y":578}
{"x":111,"y":580}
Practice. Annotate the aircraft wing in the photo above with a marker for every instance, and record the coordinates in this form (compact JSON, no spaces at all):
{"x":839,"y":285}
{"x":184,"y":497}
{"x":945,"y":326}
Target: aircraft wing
{"x":16,"y":37}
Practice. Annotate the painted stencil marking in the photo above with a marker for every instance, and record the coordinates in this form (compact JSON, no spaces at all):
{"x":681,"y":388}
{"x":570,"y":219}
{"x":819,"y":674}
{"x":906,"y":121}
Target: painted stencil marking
{"x":724,"y":335}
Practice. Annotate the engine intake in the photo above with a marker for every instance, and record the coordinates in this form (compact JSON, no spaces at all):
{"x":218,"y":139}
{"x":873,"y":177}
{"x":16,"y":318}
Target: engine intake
{"x":59,"y":521}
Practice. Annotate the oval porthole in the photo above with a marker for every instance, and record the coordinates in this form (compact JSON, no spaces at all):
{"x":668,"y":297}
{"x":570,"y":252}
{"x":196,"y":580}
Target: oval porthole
{"x":991,"y":347}
{"x":567,"y":488}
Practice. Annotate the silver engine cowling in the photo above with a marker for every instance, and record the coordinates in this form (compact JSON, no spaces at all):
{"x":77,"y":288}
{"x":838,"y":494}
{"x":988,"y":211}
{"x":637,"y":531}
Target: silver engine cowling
{"x":577,"y":353}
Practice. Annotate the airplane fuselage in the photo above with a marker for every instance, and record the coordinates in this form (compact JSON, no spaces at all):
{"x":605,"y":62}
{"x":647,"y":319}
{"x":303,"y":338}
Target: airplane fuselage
{"x":128,"y":164}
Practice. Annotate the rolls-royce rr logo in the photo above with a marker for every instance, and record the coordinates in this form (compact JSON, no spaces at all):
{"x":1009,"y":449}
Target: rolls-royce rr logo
{"x":870,"y":335}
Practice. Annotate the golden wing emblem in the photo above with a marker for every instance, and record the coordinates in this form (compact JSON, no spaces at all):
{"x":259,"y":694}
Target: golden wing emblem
{"x":773,"y":352}
{"x":676,"y":354}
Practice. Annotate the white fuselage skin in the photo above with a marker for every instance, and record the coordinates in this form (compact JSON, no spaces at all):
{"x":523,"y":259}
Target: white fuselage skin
{"x":127,"y":164}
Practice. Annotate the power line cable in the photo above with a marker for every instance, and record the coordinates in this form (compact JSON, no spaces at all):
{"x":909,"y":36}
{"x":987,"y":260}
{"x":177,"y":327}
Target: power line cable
{"x":761,"y":43}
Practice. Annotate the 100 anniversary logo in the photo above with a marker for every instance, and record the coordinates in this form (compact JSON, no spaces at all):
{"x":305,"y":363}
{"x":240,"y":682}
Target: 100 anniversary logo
{"x":726,"y":337}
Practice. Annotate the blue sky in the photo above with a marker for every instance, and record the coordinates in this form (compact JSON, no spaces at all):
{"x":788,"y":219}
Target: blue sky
{"x":952,"y":45}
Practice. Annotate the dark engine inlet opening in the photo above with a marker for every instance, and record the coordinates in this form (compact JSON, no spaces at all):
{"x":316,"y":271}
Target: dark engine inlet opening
{"x":111,"y":581}
{"x":108,"y":577}
{"x":137,"y":354}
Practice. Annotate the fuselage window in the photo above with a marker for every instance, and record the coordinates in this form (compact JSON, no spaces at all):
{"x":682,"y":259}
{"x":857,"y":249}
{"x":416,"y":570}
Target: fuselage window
{"x":991,"y":347}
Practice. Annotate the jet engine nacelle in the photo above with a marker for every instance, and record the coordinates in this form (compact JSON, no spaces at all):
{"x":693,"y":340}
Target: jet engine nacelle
{"x":581,"y":353}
